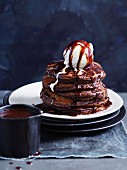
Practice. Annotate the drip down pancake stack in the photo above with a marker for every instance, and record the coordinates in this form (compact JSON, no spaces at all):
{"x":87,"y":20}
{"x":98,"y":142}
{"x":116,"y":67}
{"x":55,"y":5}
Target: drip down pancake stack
{"x":74,"y":86}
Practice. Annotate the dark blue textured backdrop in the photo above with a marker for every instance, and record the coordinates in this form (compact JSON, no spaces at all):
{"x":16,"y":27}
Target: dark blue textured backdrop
{"x":33,"y":33}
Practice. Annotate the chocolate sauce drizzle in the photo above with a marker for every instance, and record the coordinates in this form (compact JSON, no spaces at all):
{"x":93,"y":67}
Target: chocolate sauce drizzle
{"x":83,"y":45}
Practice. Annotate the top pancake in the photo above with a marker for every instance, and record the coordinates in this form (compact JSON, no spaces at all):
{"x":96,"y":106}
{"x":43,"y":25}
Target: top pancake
{"x":90,"y":73}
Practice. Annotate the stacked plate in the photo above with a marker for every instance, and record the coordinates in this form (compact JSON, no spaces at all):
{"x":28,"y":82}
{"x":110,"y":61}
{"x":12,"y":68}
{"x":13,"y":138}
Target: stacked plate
{"x":29,"y":94}
{"x":85,"y":125}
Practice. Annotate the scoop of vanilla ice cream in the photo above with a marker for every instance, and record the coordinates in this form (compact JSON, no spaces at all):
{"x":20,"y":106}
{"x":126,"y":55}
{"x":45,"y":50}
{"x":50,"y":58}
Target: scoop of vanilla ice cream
{"x":78,"y":55}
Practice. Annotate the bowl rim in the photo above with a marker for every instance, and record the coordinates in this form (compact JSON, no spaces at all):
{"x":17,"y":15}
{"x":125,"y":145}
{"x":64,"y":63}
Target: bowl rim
{"x":17,"y":106}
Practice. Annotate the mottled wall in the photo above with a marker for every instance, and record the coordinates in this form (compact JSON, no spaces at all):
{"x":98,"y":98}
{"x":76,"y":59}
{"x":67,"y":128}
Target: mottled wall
{"x":33,"y":33}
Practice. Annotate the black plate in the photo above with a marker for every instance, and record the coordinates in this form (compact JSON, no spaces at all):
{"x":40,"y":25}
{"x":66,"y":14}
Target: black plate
{"x":6,"y":98}
{"x":89,"y":127}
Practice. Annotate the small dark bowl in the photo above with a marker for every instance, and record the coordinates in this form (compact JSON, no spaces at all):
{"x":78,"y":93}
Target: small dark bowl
{"x":20,"y":137}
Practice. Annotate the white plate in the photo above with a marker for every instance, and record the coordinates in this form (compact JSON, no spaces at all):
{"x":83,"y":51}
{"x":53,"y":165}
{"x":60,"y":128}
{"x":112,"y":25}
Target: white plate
{"x":30,"y":94}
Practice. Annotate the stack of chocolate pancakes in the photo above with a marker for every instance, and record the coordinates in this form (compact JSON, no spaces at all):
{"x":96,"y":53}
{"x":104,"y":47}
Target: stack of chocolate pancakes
{"x":72,"y":91}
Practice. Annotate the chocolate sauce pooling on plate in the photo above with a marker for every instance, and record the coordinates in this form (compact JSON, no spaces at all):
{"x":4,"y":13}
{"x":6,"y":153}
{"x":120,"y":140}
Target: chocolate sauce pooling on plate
{"x":15,"y":113}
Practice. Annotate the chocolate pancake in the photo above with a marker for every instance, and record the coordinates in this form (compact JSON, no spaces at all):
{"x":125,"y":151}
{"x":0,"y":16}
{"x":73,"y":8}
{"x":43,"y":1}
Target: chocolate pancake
{"x":63,"y":87}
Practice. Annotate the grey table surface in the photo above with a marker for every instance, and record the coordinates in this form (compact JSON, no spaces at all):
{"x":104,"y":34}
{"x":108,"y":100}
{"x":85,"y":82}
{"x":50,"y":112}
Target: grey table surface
{"x":63,"y":164}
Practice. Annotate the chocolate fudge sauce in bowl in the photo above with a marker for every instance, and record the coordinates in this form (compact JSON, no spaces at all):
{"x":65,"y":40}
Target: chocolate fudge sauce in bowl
{"x":19,"y":130}
{"x":15,"y":113}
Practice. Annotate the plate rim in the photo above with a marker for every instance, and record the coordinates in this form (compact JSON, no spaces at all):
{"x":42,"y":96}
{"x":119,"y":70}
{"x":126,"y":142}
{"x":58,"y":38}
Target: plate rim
{"x":78,"y":117}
